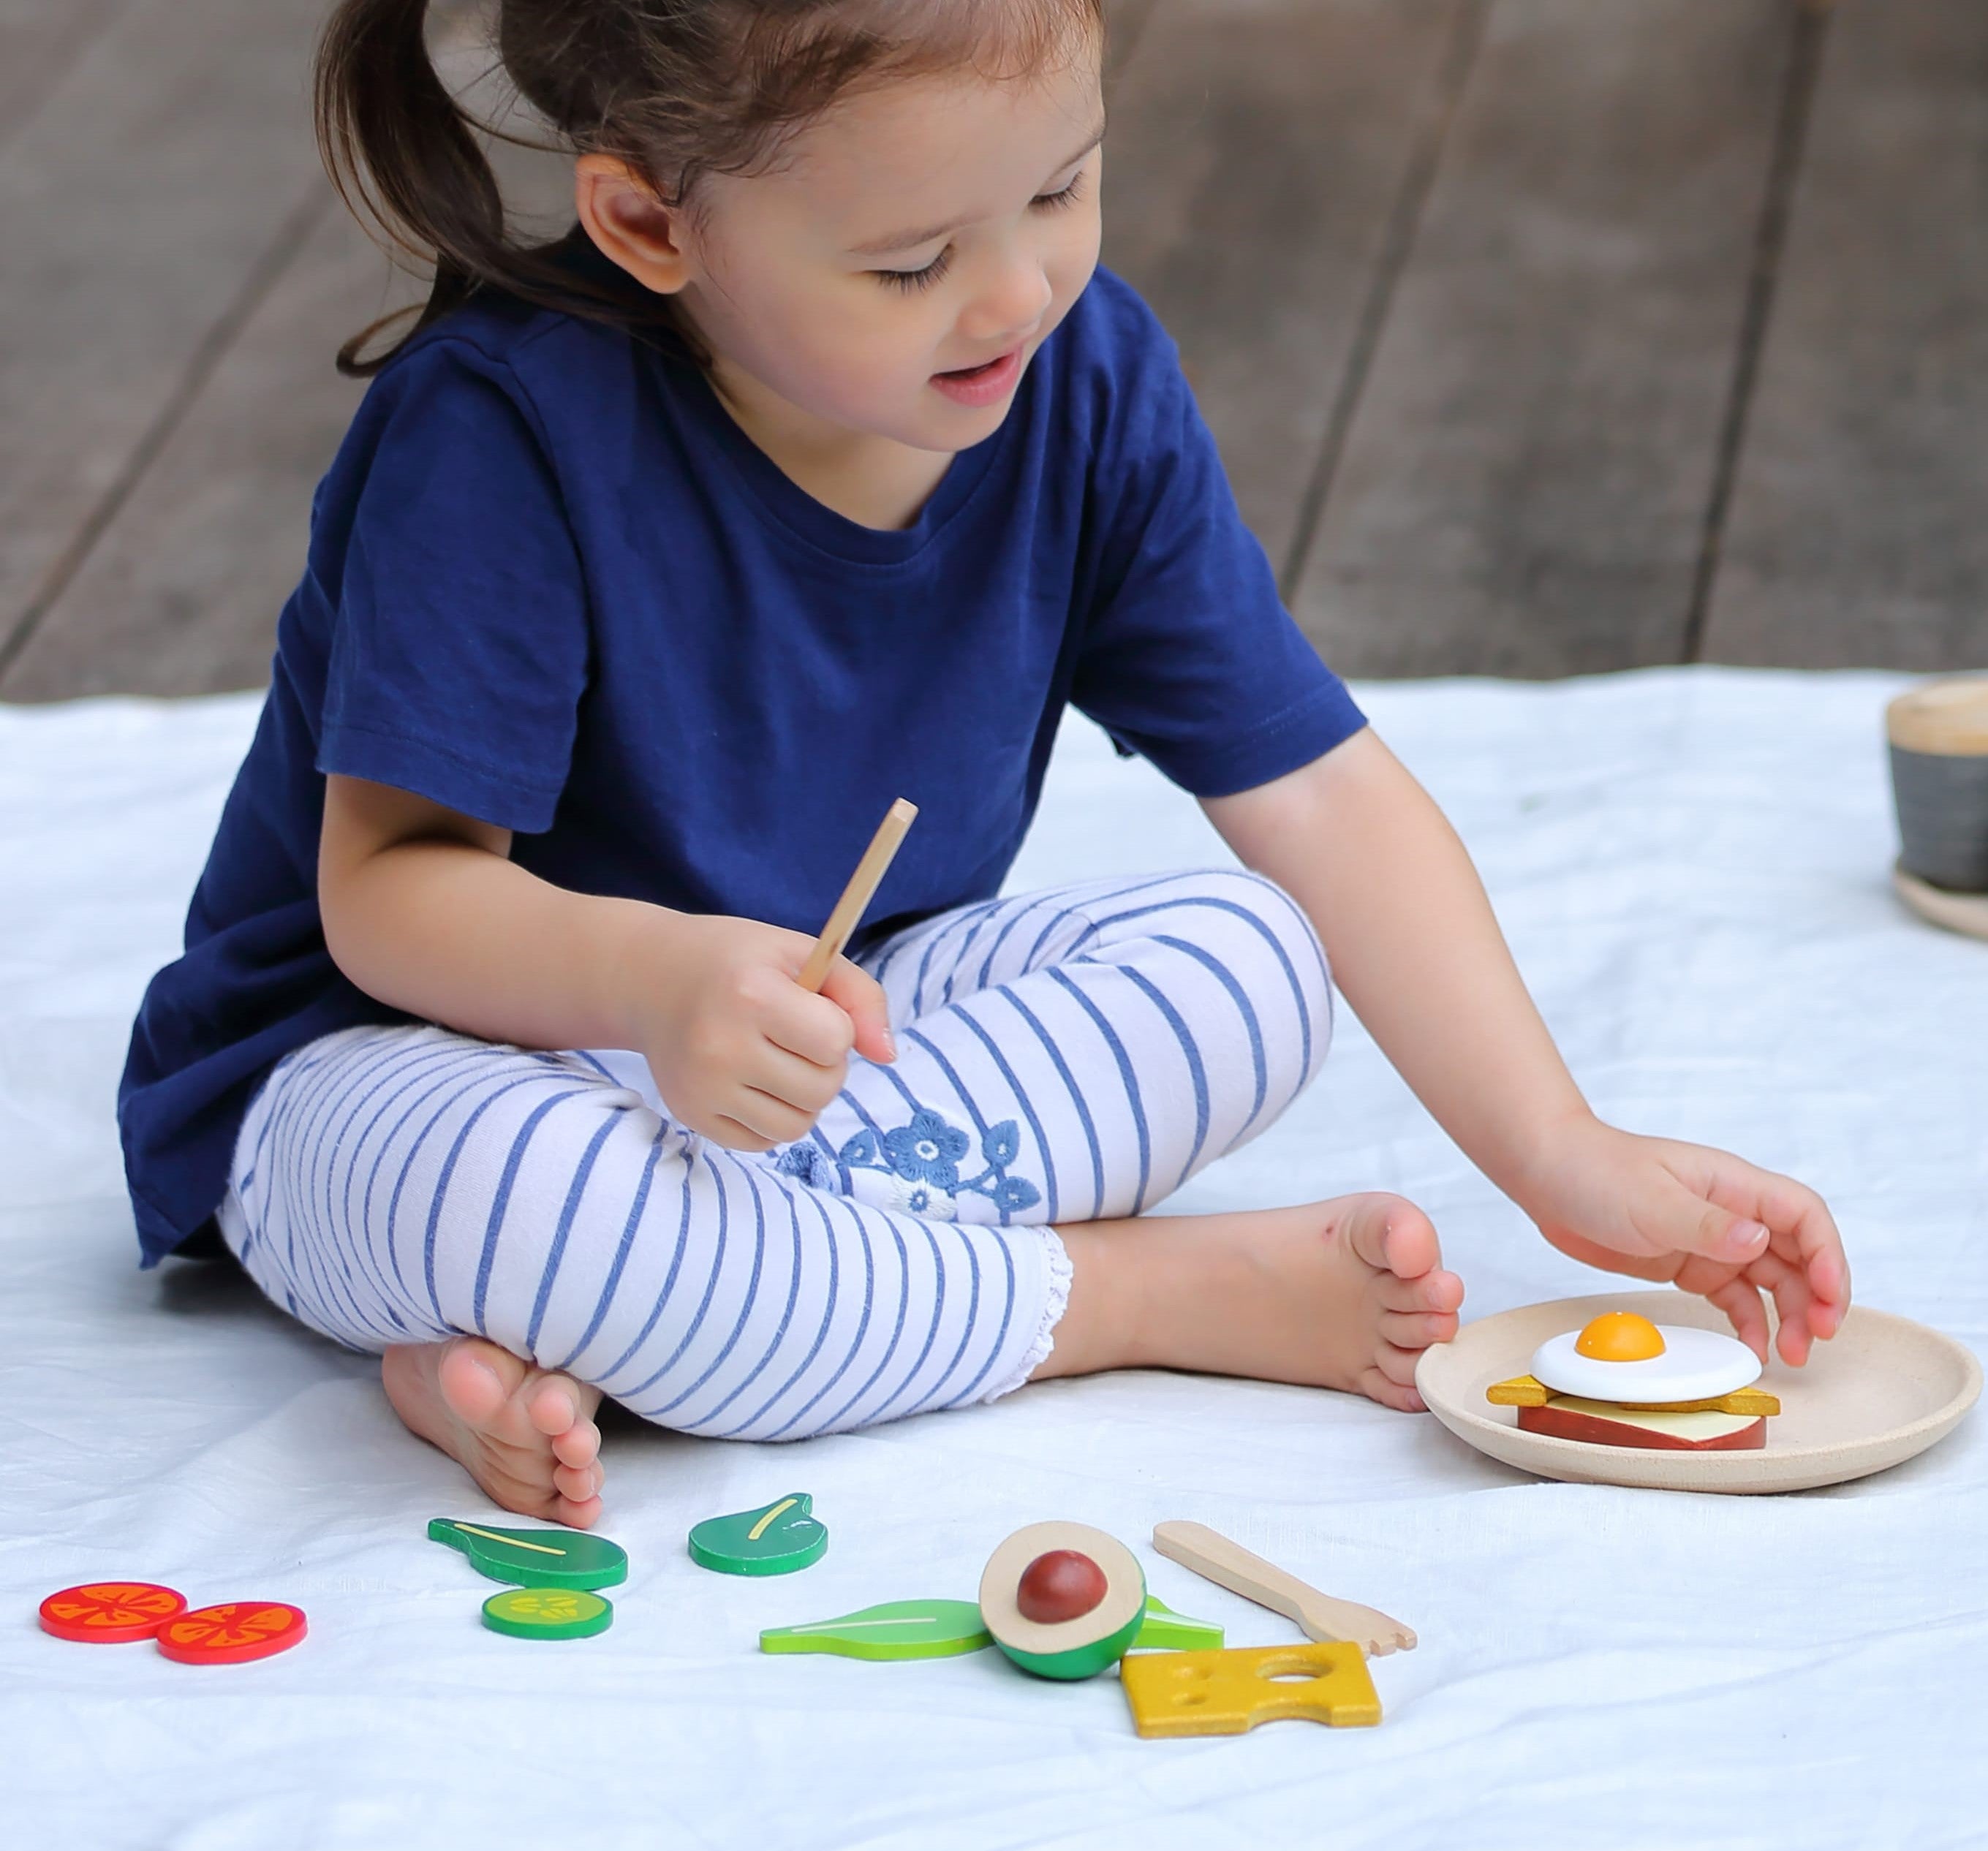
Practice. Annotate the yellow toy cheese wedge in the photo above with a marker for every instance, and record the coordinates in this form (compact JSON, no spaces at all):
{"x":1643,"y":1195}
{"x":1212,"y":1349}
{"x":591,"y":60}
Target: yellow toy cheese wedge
{"x":1226,"y":1693}
{"x":1528,"y":1391}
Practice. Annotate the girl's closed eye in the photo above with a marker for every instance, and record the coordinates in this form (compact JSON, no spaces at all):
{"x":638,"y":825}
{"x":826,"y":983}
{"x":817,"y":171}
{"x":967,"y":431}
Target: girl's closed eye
{"x":917,"y":280}
{"x":929,"y":273}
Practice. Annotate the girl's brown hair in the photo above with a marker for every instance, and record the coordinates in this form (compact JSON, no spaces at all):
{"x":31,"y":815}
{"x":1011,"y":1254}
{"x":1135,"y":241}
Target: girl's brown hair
{"x":678,"y":89}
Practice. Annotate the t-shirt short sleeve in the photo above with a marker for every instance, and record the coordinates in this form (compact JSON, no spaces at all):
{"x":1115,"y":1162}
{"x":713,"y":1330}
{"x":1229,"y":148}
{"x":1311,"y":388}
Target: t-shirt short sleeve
{"x":458,"y":651}
{"x":1189,"y":656}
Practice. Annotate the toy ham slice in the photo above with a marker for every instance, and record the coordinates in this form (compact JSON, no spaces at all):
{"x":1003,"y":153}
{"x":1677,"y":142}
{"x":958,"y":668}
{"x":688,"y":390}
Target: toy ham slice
{"x":1696,"y":1430}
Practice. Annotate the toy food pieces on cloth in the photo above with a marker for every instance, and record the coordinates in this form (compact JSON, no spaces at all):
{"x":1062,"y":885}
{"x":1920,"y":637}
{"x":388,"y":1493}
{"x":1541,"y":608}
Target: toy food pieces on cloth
{"x":898,"y":1629}
{"x":1621,"y":1381}
{"x":547,"y":1613}
{"x":1226,"y":1693}
{"x":110,"y":1612}
{"x":1165,"y":1630}
{"x":944,"y":1629}
{"x":1062,"y":1599}
{"x":233,"y":1633}
{"x":777,"y":1538}
{"x":535,"y":1557}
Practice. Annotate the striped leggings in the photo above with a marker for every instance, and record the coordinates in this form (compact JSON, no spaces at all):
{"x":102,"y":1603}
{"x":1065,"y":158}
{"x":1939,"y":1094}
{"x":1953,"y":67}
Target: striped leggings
{"x":1062,"y":1056}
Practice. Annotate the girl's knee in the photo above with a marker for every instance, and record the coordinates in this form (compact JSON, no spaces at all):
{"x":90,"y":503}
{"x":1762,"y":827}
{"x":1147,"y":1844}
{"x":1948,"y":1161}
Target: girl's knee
{"x":1267,"y":947}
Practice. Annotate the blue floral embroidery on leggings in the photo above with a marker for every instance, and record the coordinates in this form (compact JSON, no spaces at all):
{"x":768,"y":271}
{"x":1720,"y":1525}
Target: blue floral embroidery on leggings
{"x":921,"y":1163}
{"x":808,"y":1164}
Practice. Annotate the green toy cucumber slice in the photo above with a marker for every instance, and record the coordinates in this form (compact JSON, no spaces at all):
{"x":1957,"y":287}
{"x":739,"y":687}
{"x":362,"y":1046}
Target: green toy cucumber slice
{"x":547,"y":1613}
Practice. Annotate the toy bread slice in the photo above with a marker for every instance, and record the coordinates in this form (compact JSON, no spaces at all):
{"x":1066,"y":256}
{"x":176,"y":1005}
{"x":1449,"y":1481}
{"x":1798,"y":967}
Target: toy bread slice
{"x":1667,"y":1430}
{"x":1528,"y":1391}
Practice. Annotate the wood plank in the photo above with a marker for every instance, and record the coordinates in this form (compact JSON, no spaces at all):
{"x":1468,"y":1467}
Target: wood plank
{"x":174,"y":155}
{"x":1257,"y":149}
{"x":1524,"y":484}
{"x":39,"y":40}
{"x":1859,"y":528}
{"x":181,"y":594}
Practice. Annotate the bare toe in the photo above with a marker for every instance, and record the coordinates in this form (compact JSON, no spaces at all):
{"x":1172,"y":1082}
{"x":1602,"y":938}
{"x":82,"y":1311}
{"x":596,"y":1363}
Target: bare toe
{"x":552,"y":1406}
{"x":1391,"y":1234}
{"x":476,"y":1379}
{"x":579,"y":1445}
{"x":1377,"y":1385}
{"x":1415,"y":1329}
{"x":1433,"y":1291}
{"x":526,"y":1435}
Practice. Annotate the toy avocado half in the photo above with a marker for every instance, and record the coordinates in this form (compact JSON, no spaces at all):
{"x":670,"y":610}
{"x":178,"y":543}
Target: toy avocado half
{"x":1062,"y":1599}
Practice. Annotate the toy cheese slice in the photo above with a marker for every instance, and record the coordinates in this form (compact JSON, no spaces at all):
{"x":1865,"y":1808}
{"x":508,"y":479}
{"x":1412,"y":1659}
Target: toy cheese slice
{"x":1528,"y":1391}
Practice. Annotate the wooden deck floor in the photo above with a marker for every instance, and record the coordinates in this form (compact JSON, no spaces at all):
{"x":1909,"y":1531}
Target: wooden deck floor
{"x":1541,"y":336}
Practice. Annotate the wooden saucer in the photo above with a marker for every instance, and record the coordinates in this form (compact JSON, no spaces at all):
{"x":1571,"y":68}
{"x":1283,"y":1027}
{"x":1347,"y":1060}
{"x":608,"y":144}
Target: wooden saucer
{"x":1880,"y":1392}
{"x":1958,"y":912}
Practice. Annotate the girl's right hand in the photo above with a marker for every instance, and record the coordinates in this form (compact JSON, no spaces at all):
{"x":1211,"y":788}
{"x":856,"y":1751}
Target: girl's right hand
{"x":740,"y":1051}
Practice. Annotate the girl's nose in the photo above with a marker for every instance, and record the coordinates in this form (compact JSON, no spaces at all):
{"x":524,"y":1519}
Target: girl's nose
{"x":1010,"y":304}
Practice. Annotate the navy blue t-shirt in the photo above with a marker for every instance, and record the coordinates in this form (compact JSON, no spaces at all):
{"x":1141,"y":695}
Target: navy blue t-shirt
{"x":551,"y":584}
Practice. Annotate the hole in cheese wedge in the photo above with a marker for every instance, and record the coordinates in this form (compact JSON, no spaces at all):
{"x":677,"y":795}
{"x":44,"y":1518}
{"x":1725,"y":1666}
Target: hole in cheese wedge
{"x":1609,"y":1423}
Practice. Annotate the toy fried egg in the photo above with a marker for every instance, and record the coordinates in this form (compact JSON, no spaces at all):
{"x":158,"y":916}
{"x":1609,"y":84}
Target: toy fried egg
{"x":1621,"y":1356}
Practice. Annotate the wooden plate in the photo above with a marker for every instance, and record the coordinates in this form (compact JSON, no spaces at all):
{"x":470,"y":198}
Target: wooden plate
{"x":1882,"y":1391}
{"x":1958,"y":912}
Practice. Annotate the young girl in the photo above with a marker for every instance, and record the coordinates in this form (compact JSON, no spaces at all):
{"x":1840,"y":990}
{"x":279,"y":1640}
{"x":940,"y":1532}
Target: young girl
{"x":819,"y":465}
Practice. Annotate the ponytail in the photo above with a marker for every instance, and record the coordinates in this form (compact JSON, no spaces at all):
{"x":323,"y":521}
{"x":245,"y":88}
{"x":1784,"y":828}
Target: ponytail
{"x":401,"y":153}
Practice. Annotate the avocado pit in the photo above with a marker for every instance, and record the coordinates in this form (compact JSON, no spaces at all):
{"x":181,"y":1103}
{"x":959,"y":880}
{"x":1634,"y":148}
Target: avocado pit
{"x":1062,"y":1599}
{"x":1062,"y":1584}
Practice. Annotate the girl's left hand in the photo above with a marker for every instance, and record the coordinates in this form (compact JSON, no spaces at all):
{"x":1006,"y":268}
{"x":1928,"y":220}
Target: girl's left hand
{"x":1702,"y":1218}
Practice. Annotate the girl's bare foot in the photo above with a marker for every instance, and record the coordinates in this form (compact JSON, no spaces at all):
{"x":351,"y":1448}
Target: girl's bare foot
{"x":1344,"y":1294}
{"x":526,"y":1434}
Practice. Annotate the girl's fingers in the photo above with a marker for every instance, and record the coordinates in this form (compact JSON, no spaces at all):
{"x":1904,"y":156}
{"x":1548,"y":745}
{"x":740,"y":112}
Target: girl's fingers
{"x":1803,"y":1230}
{"x":1793,"y":1304}
{"x":861,"y":997}
{"x":817,"y":1029}
{"x":795,"y":1082}
{"x":772,"y":1119}
{"x":1740,"y":1300}
{"x":735,"y":1136}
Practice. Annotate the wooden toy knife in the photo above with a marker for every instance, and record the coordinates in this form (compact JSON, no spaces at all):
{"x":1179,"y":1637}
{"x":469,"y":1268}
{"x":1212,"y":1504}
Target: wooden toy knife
{"x":1228,"y":1565}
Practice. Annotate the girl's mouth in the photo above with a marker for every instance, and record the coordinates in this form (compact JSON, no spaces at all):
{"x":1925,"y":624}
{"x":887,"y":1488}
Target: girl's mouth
{"x":982,"y":385}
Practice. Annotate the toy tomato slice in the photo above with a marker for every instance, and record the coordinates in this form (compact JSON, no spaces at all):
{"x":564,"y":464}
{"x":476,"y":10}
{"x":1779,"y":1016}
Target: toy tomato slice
{"x":233,"y":1634}
{"x":110,"y":1612}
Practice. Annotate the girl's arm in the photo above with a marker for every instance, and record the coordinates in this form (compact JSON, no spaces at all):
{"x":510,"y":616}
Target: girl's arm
{"x":423,"y":909}
{"x":1416,"y":950}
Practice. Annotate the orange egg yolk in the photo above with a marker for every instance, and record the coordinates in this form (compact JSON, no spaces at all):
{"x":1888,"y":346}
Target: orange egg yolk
{"x":1620,"y":1336}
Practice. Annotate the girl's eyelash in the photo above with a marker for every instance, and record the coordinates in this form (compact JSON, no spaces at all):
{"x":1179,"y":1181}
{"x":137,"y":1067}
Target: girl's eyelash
{"x":910,"y":280}
{"x":1069,"y":196}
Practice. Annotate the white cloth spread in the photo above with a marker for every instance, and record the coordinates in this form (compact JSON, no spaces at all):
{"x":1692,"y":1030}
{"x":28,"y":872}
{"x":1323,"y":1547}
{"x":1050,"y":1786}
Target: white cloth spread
{"x":1691,"y":867}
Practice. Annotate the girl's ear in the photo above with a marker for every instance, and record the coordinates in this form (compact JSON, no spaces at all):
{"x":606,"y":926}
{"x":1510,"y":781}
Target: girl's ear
{"x":629,"y":224}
